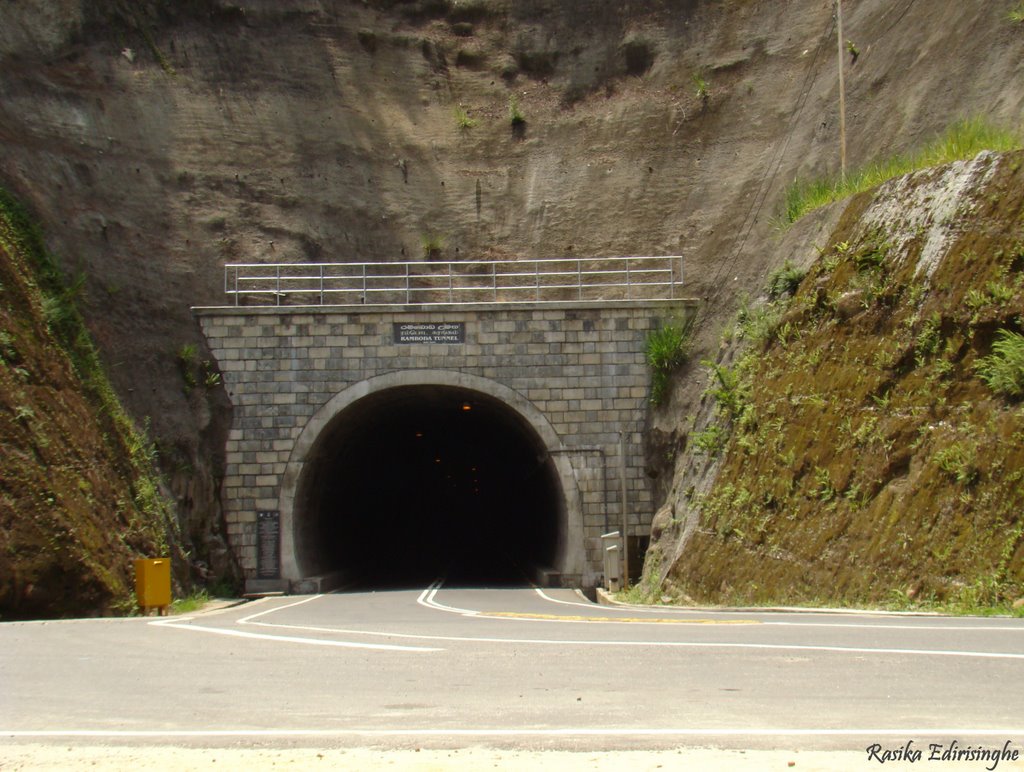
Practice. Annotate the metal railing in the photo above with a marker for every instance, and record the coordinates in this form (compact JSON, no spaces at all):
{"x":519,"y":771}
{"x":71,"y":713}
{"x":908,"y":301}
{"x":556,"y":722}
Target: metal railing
{"x":435,"y":283}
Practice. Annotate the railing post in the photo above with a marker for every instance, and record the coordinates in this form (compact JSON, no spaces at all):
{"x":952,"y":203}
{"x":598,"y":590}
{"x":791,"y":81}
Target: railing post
{"x":277,"y":284}
{"x":451,"y":298}
{"x":407,"y":292}
{"x":579,"y":279}
{"x":321,"y":283}
{"x":672,"y":278}
{"x":494,"y":280}
{"x":364,"y":283}
{"x":629,"y":286}
{"x":536,"y":279}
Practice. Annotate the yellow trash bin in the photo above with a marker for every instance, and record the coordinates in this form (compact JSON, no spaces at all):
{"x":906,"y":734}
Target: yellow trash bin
{"x":153,"y":584}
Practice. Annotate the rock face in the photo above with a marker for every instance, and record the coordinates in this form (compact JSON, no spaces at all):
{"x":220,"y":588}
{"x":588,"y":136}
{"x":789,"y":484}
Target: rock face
{"x":157,"y":140}
{"x":863,"y":452}
{"x":77,"y":496}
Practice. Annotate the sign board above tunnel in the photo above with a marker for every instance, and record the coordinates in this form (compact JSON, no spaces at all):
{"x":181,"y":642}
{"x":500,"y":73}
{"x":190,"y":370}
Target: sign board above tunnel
{"x":430,"y":332}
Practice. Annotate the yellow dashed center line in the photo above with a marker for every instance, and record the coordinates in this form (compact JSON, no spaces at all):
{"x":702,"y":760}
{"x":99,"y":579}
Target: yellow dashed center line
{"x":644,"y":620}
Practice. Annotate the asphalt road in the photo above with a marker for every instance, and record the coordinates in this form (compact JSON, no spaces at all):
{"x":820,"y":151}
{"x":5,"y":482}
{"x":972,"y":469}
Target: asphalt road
{"x":514,"y":667}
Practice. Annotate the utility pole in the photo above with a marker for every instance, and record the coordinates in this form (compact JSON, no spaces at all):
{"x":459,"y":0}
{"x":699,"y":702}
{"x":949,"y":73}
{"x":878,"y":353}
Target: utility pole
{"x":842,"y":92}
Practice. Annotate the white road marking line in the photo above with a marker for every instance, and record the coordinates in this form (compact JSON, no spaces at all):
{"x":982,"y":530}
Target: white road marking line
{"x":866,"y":626}
{"x":652,"y":644}
{"x":245,"y":620}
{"x":958,"y":732}
{"x":549,"y":599}
{"x":426,"y":598}
{"x":179,"y":625}
{"x":593,"y":607}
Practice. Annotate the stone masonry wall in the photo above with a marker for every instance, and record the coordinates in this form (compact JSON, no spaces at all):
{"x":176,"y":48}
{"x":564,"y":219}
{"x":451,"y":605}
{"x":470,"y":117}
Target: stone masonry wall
{"x":581,"y":365}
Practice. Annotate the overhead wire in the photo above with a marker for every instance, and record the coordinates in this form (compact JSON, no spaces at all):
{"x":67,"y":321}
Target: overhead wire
{"x":770,"y":173}
{"x":900,"y":18}
{"x":773,"y":168}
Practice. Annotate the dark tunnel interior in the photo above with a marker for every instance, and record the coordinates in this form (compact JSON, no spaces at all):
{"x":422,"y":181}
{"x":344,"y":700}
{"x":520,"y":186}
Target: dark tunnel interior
{"x":415,"y":483}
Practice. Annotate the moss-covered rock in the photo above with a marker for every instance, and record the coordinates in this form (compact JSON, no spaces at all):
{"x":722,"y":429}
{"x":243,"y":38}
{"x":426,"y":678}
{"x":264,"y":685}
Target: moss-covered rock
{"x":868,"y":462}
{"x":78,"y":499}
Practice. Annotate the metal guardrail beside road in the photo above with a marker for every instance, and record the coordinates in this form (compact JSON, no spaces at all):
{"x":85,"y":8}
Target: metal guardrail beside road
{"x":555,"y":280}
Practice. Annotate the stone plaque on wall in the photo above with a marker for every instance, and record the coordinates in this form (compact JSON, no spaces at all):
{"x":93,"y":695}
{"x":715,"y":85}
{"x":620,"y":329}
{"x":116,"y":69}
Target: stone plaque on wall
{"x":268,"y":544}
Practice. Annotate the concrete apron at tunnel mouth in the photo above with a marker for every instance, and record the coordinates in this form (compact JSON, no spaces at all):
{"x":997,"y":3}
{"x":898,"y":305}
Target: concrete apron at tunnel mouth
{"x":357,"y":457}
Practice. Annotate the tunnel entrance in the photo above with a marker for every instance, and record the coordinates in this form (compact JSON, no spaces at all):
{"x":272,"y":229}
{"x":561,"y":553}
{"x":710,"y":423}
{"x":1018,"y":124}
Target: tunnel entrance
{"x":411,"y":483}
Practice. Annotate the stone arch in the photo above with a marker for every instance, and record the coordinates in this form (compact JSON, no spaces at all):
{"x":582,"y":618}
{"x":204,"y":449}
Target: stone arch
{"x":570,"y":558}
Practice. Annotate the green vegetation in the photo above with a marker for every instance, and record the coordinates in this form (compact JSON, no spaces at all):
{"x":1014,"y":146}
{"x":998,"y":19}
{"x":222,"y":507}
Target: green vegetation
{"x":188,"y":357}
{"x":69,"y":328}
{"x":758,"y":324}
{"x":958,"y":460}
{"x":462,"y":119}
{"x":711,"y":440}
{"x":785,"y":280}
{"x":190,"y":603}
{"x":88,"y":498}
{"x":161,"y":58}
{"x":515,"y":112}
{"x":1017,"y":14}
{"x":929,"y":339}
{"x":962,"y":141}
{"x":702,"y":86}
{"x":1003,"y":369}
{"x":433,"y":245}
{"x":666,"y":349}
{"x":862,"y":458}
{"x":726,"y":389}
{"x":196,"y":371}
{"x":127,"y":18}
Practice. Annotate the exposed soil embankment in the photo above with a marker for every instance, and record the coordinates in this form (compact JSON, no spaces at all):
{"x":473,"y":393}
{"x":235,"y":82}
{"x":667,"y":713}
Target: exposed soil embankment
{"x":858,"y":451}
{"x":77,"y":499}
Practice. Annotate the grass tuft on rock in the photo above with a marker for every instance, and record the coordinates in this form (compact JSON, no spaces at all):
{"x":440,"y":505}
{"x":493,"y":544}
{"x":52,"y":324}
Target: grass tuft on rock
{"x":963,"y":140}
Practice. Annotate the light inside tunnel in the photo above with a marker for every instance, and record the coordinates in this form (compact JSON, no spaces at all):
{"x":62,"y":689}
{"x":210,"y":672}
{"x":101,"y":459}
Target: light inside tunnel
{"x":416,"y":482}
